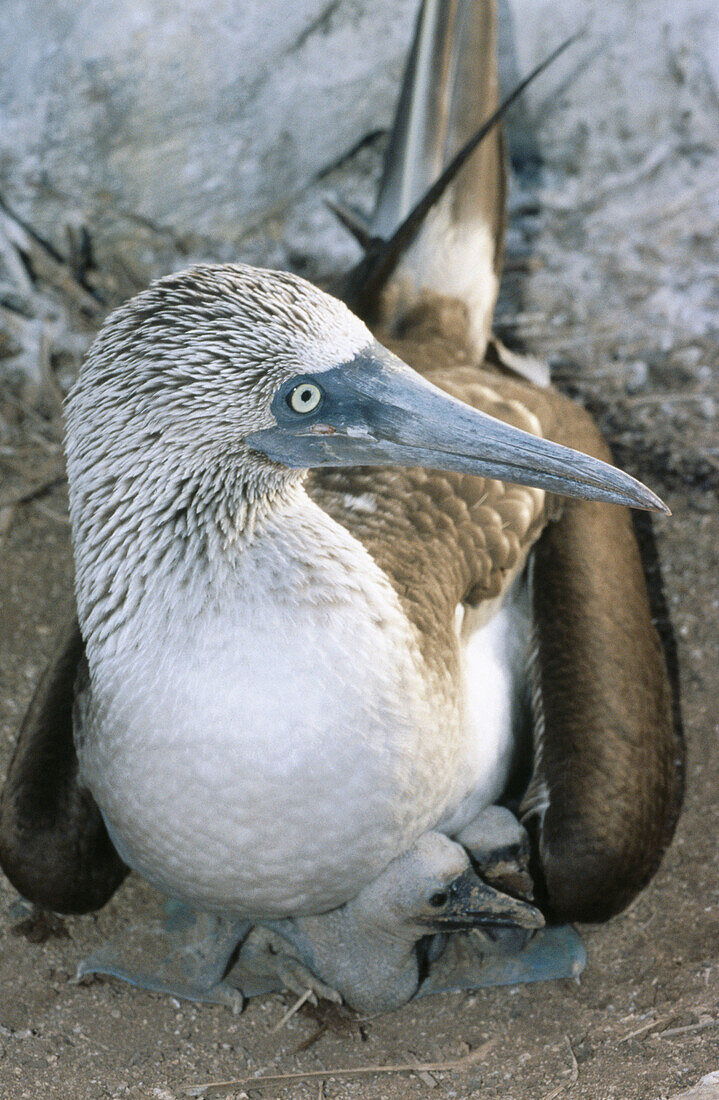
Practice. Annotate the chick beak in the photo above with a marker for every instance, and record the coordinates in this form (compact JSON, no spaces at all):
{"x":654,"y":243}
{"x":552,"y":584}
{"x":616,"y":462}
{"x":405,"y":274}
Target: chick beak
{"x":471,"y":903}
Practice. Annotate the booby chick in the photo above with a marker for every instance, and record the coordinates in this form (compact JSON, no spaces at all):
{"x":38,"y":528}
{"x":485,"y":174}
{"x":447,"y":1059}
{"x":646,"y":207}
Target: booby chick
{"x":427,"y":924}
{"x":365,"y":953}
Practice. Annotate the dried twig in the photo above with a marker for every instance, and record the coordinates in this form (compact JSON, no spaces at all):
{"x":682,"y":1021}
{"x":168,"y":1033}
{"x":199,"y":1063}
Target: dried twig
{"x":670,"y":210}
{"x":645,"y":1028}
{"x":295,"y":1008}
{"x":672,"y":1031}
{"x":666,"y":398}
{"x":7,"y":515}
{"x":31,"y":413}
{"x":573,"y":1076}
{"x":50,"y":513}
{"x":425,"y":1077}
{"x":49,"y":384}
{"x":44,"y":264}
{"x":523,"y":320}
{"x":457,"y":1065}
{"x":14,"y":265}
{"x":22,"y":496}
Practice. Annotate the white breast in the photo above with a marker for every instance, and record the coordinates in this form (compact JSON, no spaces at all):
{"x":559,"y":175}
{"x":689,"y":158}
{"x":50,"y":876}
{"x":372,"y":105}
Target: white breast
{"x":495,"y":659}
{"x":270,"y":749}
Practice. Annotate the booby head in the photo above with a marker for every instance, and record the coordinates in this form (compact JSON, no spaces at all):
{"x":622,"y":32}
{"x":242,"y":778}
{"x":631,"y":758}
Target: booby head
{"x":433,"y":888}
{"x":261,"y":370}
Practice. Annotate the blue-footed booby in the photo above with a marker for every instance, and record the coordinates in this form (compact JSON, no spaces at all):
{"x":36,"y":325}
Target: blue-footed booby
{"x":344,"y":578}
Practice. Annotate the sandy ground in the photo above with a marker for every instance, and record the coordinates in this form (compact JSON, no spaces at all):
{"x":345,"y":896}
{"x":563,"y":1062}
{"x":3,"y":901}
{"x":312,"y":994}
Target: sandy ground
{"x":643,"y":1022}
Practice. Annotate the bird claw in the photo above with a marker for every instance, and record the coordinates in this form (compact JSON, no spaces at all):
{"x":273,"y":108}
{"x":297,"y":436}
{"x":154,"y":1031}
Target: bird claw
{"x":266,"y":953}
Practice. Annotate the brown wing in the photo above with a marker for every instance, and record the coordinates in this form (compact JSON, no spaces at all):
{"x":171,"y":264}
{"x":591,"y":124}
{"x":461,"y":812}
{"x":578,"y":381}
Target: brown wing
{"x":608,"y":775}
{"x":609,"y":772}
{"x":441,"y":539}
{"x":444,"y":538}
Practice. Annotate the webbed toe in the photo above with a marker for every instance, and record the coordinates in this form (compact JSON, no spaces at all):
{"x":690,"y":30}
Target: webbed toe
{"x":474,"y":960}
{"x":185,"y":955}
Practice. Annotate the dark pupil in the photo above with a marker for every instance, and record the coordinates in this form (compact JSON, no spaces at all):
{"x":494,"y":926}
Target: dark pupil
{"x":438,"y":900}
{"x":306,"y":396}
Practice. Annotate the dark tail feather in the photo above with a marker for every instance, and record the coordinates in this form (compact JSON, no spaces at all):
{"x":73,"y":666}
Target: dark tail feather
{"x":450,"y":88}
{"x":353,"y":220}
{"x":432,"y":228}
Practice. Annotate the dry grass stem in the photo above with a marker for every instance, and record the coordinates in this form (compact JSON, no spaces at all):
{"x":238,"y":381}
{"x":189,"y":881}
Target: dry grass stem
{"x":425,"y":1077}
{"x":645,"y":1028}
{"x":666,"y":398}
{"x":7,"y":515}
{"x":22,"y":496}
{"x":44,"y":264}
{"x":454,"y":1066}
{"x":295,"y":1008}
{"x":703,"y":1025}
{"x":56,"y":517}
{"x":573,"y":1076}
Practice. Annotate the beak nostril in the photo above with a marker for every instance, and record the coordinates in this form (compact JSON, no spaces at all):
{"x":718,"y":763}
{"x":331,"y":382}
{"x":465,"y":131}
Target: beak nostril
{"x":439,"y":899}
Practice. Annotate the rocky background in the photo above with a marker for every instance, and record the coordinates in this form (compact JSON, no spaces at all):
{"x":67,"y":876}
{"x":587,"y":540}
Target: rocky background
{"x":137,"y":136}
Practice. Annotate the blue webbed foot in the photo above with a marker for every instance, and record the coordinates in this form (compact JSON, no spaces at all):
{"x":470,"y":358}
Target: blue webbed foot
{"x":474,"y":960}
{"x":186,"y":955}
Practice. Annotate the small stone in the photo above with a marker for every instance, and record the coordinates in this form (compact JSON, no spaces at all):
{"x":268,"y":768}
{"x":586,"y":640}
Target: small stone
{"x":705,"y":1089}
{"x":637,"y":376}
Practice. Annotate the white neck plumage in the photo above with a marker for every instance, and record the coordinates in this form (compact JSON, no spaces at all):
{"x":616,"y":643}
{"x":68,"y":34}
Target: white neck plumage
{"x":150,"y":523}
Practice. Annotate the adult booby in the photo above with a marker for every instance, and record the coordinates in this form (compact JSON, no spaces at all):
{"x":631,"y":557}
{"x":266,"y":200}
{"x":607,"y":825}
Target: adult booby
{"x":286,"y":678}
{"x":255,"y":642}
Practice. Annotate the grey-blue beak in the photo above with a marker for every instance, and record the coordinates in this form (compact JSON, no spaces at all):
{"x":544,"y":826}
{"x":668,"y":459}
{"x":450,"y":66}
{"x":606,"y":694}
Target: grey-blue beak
{"x":377,"y":411}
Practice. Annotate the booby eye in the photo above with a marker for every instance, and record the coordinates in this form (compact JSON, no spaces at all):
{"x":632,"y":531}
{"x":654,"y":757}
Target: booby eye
{"x":439,"y":899}
{"x":304,"y":398}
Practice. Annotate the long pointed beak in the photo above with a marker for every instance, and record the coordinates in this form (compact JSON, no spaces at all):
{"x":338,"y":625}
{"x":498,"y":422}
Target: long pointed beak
{"x":377,"y":411}
{"x":471,"y":903}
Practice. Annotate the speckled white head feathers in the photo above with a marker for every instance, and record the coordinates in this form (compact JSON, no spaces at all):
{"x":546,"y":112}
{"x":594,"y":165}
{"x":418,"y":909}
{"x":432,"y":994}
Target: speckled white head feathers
{"x":159,"y":474}
{"x":196,"y":358}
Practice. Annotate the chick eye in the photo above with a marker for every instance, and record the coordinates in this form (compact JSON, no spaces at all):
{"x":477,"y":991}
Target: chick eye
{"x":304,"y":398}
{"x":439,"y":899}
